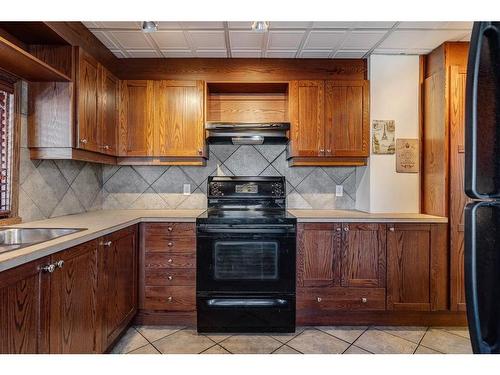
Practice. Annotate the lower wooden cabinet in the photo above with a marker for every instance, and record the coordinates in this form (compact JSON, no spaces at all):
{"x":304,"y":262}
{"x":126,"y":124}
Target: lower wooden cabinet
{"x":75,"y":301}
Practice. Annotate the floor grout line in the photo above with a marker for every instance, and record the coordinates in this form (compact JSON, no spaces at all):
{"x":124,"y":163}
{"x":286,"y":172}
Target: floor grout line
{"x":399,"y":337}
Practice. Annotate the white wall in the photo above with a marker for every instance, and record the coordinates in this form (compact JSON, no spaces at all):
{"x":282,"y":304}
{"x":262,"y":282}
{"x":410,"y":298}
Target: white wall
{"x":393,"y":96}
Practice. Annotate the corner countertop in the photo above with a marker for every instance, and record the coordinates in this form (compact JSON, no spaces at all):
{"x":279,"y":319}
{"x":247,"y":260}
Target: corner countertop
{"x":100,"y":223}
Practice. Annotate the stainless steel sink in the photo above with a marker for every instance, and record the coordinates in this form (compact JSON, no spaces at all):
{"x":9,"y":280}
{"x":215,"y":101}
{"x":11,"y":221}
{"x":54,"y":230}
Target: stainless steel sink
{"x":17,"y":238}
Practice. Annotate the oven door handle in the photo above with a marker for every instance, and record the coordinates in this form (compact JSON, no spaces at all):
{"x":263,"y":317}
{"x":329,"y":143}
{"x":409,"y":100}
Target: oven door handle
{"x":247,"y":302}
{"x":242,"y":229}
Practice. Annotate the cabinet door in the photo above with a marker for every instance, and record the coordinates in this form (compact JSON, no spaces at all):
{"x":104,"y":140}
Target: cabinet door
{"x":73,"y":301}
{"x":119,"y":282}
{"x":136,"y":118}
{"x":363,"y":255}
{"x":318,"y":262}
{"x":24,"y":293}
{"x":307,"y":118}
{"x":87,"y":108}
{"x":108,"y":111}
{"x":179,"y":128}
{"x":347,"y":118}
{"x":417,"y":270}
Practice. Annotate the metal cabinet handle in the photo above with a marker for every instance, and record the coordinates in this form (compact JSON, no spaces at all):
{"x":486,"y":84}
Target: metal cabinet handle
{"x":170,"y":229}
{"x":346,"y":229}
{"x":338,"y":229}
{"x":329,"y":152}
{"x":170,"y":277}
{"x":106,"y":147}
{"x":364,"y":300}
{"x":391,"y":229}
{"x":83,"y":140}
{"x":321,"y":152}
{"x":49,"y":268}
{"x":200,"y":152}
{"x":170,"y":299}
{"x":107,"y":243}
{"x":170,"y":260}
{"x":60,"y":263}
{"x":170,"y":244}
{"x":318,"y":299}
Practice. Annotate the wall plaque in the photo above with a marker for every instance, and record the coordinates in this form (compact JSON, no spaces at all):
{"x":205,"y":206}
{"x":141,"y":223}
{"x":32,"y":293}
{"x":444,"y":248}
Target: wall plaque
{"x":407,"y":156}
{"x":383,"y":136}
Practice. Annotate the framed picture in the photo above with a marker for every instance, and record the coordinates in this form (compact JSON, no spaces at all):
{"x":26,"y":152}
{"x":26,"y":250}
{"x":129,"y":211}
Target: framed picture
{"x":407,"y":155}
{"x":383,"y":137}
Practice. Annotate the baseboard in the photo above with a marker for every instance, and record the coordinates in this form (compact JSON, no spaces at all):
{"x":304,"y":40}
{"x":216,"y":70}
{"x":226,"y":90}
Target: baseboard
{"x":186,"y":318}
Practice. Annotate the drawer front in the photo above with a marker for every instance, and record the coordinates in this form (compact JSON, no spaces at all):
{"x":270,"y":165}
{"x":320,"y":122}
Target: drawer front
{"x":170,"y":298}
{"x":170,"y":277}
{"x":152,"y":230}
{"x":168,"y":260}
{"x":341,"y":299}
{"x":170,"y":244}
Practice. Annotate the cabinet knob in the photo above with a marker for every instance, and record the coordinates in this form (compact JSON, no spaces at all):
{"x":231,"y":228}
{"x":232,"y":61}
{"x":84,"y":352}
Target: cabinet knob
{"x":170,"y":229}
{"x":60,"y":263}
{"x":106,"y":147}
{"x":346,"y":229}
{"x":170,"y":260}
{"x":170,"y":244}
{"x":364,"y":300}
{"x":338,"y":229}
{"x":321,"y":152}
{"x":391,"y":229}
{"x":329,"y":152}
{"x":170,"y":277}
{"x":49,"y":268}
{"x":318,"y":299}
{"x":83,"y":140}
{"x":170,"y":299}
{"x":200,"y":152}
{"x":107,"y":243}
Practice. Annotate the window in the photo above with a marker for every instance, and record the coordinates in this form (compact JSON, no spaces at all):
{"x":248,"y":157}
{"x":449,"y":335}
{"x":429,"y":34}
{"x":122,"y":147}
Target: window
{"x":6,"y":125}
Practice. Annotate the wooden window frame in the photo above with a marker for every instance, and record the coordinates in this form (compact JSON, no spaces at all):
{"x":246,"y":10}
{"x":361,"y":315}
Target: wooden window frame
{"x":7,"y":81}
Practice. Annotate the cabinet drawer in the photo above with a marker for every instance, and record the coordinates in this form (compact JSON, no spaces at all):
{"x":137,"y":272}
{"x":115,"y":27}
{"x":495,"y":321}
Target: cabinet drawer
{"x":168,"y":230}
{"x":169,"y":260}
{"x":170,"y":277}
{"x":341,"y":299}
{"x":170,"y":298}
{"x":170,"y":244}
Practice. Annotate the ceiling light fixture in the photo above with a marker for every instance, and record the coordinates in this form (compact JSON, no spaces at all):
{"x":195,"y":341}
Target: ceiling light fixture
{"x":149,"y":26}
{"x":260,"y":26}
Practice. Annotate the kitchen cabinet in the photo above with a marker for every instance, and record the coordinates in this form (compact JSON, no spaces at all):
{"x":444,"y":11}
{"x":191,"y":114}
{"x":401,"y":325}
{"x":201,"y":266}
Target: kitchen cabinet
{"x":74,"y":306}
{"x":24,"y":309}
{"x":118,"y":282}
{"x":107,"y":115}
{"x":417,"y":271}
{"x":330,"y":122}
{"x":167,"y":273}
{"x":178,"y":124}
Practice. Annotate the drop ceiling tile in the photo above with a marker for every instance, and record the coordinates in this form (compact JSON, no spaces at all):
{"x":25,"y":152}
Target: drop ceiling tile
{"x":132,"y":25}
{"x":288,"y":25}
{"x":143,"y":53}
{"x":245,"y":39}
{"x":168,"y":25}
{"x":318,"y":54}
{"x":119,"y":54}
{"x":324,"y":39}
{"x":90,"y":24}
{"x":213,"y":39}
{"x":352,"y":25}
{"x":240,"y":25}
{"x":211,"y":53}
{"x":435,"y":25}
{"x":177,"y":53}
{"x":284,"y":39}
{"x":363,"y":39}
{"x":420,"y":39}
{"x":131,"y":39}
{"x":105,"y":39}
{"x":349,"y":54}
{"x":281,"y":54}
{"x":203,"y":25}
{"x":173,"y":39}
{"x":246,"y":53}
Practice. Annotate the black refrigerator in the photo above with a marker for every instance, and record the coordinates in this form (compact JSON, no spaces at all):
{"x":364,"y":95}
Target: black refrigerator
{"x":482,"y":183}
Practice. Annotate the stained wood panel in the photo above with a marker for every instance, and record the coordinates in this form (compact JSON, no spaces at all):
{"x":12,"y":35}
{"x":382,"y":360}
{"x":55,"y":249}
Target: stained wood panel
{"x":89,"y":135}
{"x":74,"y":307}
{"x":363,"y":255}
{"x":24,"y":309}
{"x":330,"y":300}
{"x":171,"y":298}
{"x":178,"y":121}
{"x":318,"y":254}
{"x":136,"y":118}
{"x":347,"y":118}
{"x":307,"y":135}
{"x":118,"y":281}
{"x":109,"y":94}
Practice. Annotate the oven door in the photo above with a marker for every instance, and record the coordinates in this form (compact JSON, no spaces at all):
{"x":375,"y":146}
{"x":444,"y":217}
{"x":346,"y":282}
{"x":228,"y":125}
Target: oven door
{"x":239,"y":259}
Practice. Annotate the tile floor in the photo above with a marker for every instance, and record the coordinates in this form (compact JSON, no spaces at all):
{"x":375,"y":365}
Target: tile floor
{"x":306,"y":340}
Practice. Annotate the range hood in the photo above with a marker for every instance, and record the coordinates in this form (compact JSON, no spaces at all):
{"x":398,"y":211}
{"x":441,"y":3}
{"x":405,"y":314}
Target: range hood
{"x":247,"y":133}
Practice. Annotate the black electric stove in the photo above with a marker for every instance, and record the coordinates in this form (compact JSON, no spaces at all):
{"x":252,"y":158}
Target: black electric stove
{"x":246,"y":257}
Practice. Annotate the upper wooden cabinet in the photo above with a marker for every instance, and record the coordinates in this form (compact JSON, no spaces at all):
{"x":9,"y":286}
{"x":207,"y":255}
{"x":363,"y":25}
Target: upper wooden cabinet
{"x":330,"y":122}
{"x":107,"y":116}
{"x":178,"y":123}
{"x":136,"y":118}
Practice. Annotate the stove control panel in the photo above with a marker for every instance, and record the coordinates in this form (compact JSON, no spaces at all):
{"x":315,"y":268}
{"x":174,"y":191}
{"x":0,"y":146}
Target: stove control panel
{"x":256,"y":188}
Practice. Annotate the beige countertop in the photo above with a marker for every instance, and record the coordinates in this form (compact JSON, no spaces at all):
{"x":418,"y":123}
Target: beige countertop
{"x":100,"y":223}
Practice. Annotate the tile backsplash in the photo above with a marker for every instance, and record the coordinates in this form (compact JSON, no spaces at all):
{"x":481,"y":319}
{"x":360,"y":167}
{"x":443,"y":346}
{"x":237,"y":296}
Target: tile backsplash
{"x":53,"y":188}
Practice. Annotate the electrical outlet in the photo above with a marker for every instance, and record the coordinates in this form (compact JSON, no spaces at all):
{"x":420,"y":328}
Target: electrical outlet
{"x":339,"y":190}
{"x":187,"y":189}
